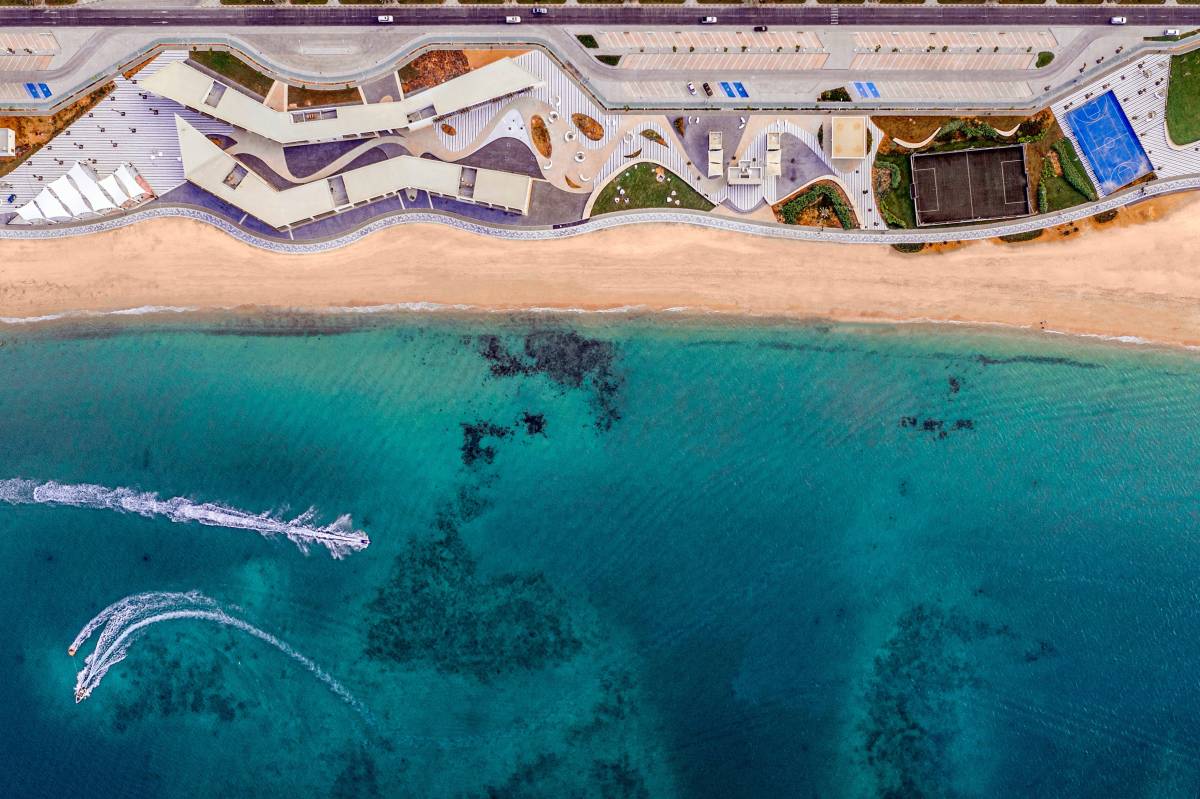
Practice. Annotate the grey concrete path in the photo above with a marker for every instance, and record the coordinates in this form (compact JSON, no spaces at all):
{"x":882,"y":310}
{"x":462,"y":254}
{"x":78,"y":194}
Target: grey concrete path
{"x":328,"y":55}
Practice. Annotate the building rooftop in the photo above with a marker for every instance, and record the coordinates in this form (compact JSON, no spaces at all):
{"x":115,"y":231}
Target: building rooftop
{"x":196,"y":89}
{"x":849,"y":137}
{"x":774,"y":154}
{"x":216,"y":171}
{"x":716,"y":153}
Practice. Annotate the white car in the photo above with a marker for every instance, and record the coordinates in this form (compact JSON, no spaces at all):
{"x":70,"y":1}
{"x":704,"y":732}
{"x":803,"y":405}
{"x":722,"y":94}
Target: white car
{"x":691,"y":88}
{"x":385,"y":18}
{"x":1172,"y":32}
{"x":708,"y":20}
{"x":512,"y":20}
{"x":1116,"y":21}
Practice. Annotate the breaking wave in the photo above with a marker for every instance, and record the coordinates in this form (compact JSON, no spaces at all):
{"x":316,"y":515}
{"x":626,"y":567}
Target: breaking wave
{"x":340,"y":537}
{"x":124,"y":621}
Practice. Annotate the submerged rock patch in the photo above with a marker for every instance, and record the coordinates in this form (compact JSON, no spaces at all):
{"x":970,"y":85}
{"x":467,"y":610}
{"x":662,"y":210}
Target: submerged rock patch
{"x":566,"y":358}
{"x":473,"y":448}
{"x":164,"y":685}
{"x":914,"y":698}
{"x":437,"y":610}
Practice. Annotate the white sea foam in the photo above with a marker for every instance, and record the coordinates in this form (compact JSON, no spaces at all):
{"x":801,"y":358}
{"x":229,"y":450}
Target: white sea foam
{"x":141,"y":310}
{"x":124,"y":621}
{"x":340,"y":537}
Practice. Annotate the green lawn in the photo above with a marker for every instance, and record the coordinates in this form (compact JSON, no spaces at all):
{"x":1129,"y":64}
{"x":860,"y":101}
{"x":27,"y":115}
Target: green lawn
{"x":235,"y":69}
{"x":1183,"y":98}
{"x":1060,"y":194}
{"x":896,"y":203}
{"x":643,"y":191}
{"x":1061,"y":191}
{"x":1073,"y":171}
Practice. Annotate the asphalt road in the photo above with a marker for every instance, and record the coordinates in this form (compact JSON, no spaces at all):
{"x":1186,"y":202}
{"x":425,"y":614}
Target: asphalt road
{"x":807,"y":15}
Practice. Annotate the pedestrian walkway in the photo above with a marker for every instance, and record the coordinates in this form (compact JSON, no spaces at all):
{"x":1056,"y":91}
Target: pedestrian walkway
{"x":129,"y":126}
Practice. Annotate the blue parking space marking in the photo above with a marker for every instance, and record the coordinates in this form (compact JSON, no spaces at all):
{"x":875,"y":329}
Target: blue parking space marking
{"x":862,"y":92}
{"x":871,"y":88}
{"x":45,"y":90}
{"x":32,"y":90}
{"x":727,"y":89}
{"x":741,"y":90}
{"x":1108,"y":142}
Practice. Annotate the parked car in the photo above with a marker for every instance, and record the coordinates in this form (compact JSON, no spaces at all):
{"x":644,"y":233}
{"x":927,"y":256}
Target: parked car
{"x":12,"y":198}
{"x":385,"y":18}
{"x":708,"y":89}
{"x":1116,"y":21}
{"x":539,"y":11}
{"x":692,"y":88}
{"x":708,"y":20}
{"x":760,"y":28}
{"x":511,"y":20}
{"x":1172,"y":32}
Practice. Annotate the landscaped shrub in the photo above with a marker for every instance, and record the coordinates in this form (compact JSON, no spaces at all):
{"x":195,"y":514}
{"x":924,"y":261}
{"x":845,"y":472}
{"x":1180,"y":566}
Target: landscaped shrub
{"x":838,"y":95}
{"x":1042,"y":200}
{"x":1028,"y":235}
{"x":981,"y":130}
{"x":894,"y":176}
{"x":792,"y":208}
{"x":653,"y":136}
{"x":1072,"y":168}
{"x":909,"y":247}
{"x":1031,"y":130}
{"x":1044,"y":58}
{"x":892,"y":219}
{"x":1106,"y":216}
{"x":588,"y":41}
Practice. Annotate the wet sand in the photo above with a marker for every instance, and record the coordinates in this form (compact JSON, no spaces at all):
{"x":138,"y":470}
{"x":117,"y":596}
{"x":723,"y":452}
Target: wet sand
{"x":1118,"y":279}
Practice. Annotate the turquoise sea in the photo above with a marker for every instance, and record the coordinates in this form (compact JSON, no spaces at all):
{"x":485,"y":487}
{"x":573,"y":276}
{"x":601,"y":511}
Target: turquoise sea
{"x":609,"y":557}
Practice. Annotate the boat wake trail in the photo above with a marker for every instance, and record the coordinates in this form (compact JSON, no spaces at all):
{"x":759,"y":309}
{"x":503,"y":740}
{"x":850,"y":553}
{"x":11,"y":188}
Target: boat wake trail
{"x":340,"y":538}
{"x":123,"y":622}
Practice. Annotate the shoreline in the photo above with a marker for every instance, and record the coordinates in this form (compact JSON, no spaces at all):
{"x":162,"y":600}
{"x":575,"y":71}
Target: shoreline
{"x":1128,"y":282}
{"x":267,"y":320}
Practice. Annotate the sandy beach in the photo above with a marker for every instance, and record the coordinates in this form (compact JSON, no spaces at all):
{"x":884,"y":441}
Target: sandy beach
{"x":1137,"y":276}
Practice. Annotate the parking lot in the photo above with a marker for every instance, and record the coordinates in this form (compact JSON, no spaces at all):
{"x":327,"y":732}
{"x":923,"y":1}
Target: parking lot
{"x":724,"y":61}
{"x":952,"y":62}
{"x":961,"y":40}
{"x":707,"y":40}
{"x":27,"y":51}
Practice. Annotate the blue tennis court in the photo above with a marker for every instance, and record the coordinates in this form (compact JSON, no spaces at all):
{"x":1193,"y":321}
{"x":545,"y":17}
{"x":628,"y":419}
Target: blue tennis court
{"x":1108,"y":142}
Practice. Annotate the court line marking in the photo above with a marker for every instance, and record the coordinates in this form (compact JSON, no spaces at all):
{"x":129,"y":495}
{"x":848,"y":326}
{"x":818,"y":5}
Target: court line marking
{"x":936,"y":198}
{"x":1004,"y":184}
